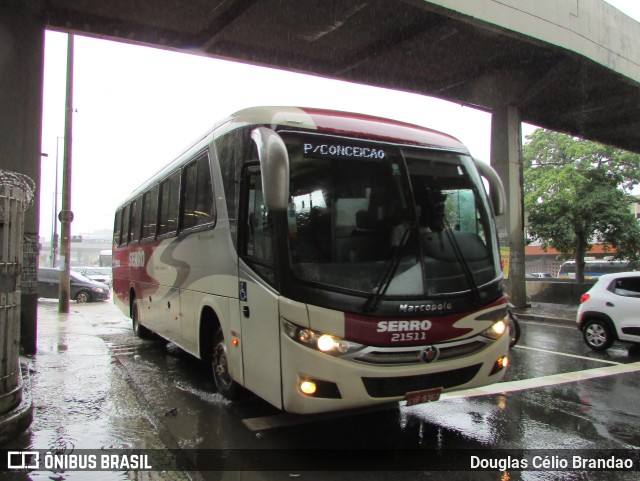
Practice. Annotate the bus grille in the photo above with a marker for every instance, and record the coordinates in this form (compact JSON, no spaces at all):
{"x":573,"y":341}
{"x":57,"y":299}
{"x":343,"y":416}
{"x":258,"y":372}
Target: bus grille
{"x":399,"y":386}
{"x":413,"y":357}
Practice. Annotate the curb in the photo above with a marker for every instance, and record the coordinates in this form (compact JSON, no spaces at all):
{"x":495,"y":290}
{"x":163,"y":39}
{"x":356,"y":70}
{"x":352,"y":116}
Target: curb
{"x":543,"y":318}
{"x":20,"y":418}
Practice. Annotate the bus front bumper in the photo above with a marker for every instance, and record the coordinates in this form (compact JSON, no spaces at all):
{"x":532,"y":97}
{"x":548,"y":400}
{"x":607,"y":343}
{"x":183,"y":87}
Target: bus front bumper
{"x":346,"y":384}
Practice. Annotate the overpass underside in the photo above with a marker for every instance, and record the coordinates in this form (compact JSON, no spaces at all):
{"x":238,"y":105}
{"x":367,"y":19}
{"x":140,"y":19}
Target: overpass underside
{"x":409,"y":45}
{"x":475,"y":58}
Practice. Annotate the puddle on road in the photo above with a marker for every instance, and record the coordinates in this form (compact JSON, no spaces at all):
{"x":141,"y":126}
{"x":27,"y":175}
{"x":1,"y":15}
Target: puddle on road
{"x":209,"y":397}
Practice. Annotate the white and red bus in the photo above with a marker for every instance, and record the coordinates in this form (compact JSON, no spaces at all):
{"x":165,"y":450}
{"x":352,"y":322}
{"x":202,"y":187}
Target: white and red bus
{"x":322,"y":260}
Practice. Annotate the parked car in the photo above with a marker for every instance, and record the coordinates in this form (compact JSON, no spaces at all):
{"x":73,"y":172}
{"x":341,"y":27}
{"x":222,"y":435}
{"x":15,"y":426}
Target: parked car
{"x":81,"y":288}
{"x":608,"y":312}
{"x":99,"y":274}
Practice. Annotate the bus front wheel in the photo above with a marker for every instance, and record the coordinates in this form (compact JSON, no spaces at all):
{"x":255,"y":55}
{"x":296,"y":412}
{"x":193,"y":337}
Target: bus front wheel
{"x":220,"y":367}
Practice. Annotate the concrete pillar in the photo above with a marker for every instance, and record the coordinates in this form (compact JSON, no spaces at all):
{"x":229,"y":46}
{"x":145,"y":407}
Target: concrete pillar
{"x":21,"y":75}
{"x":506,"y":159}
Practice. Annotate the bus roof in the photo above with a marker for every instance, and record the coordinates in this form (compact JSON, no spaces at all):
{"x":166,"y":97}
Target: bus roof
{"x":332,"y":122}
{"x":344,"y":123}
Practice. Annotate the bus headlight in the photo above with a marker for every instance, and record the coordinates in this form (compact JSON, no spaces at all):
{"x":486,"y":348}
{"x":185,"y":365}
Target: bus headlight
{"x":495,"y":331}
{"x":327,"y":343}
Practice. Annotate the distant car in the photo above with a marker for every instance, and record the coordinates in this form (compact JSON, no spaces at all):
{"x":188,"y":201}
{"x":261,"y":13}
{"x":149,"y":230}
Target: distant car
{"x":539,"y":275}
{"x":608,"y":312}
{"x":99,"y":274}
{"x":81,"y":289}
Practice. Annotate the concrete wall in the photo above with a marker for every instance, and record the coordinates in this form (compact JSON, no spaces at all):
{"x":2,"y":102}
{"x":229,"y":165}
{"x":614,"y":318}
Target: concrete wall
{"x":556,"y":291}
{"x":591,"y":28}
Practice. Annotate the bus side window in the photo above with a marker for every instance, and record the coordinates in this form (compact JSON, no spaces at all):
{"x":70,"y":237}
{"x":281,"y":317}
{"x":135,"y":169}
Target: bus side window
{"x":169,"y":204}
{"x":259,"y":232}
{"x":117,"y":227}
{"x":150,"y":213}
{"x":125,"y":224}
{"x":136,"y":207}
{"x":257,"y":246}
{"x":198,"y":194}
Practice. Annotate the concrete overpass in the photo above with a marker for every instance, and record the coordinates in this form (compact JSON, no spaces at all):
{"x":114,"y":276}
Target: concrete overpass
{"x":567,"y":65}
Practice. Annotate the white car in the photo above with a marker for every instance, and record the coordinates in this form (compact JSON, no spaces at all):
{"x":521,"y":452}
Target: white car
{"x":99,"y":274}
{"x":610,"y":311}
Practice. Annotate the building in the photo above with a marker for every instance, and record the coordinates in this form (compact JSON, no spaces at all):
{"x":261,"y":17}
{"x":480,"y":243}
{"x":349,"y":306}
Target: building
{"x":85,"y":249}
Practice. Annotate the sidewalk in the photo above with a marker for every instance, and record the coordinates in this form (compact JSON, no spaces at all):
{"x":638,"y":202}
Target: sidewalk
{"x":82,"y":398}
{"x":546,"y":312}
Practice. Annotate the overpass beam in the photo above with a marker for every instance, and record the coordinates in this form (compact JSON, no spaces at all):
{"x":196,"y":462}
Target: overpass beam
{"x":21,"y":77}
{"x":506,"y":159}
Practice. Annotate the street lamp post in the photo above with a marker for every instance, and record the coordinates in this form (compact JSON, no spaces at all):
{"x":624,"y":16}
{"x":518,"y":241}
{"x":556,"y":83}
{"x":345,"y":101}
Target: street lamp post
{"x":54,"y":236}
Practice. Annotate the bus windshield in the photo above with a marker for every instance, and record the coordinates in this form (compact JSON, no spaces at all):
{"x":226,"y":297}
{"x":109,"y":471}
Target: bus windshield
{"x":360,"y":211}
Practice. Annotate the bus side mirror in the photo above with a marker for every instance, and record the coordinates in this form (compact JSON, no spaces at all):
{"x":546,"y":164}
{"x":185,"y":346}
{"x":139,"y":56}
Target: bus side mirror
{"x":274,"y":164}
{"x":496,"y":192}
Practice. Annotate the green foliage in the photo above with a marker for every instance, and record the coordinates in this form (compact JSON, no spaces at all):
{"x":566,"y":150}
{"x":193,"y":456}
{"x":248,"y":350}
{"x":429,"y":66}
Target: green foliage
{"x":576,"y":193}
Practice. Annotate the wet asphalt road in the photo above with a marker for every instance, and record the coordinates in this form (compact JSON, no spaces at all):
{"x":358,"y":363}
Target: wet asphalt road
{"x":557,"y":395}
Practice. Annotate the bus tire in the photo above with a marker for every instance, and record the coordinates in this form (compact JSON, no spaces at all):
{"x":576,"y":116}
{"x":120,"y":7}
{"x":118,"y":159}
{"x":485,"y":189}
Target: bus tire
{"x":220,"y":368}
{"x":513,"y":328}
{"x":597,"y":335}
{"x":138,"y":329}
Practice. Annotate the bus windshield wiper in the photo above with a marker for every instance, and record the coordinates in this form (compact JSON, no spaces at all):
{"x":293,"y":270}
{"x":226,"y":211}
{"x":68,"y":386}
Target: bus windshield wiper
{"x":385,"y":281}
{"x":473,"y":286}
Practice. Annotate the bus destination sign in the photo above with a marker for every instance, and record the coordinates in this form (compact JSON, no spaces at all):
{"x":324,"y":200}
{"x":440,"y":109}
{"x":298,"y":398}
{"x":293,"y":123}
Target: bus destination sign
{"x":333,"y":151}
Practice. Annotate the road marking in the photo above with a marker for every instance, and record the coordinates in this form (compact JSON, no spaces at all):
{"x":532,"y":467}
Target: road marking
{"x":285,"y":419}
{"x":566,"y":354}
{"x":544,"y":381}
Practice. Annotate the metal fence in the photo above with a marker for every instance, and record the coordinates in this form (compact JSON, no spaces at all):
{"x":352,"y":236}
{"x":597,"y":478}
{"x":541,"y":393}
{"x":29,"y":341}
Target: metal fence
{"x":16,"y":195}
{"x":11,"y":231}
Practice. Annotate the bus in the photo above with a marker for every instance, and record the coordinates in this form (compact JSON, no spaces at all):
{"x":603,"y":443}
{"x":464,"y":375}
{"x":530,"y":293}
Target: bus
{"x":105,"y":258}
{"x":320,"y":259}
{"x":594,"y":268}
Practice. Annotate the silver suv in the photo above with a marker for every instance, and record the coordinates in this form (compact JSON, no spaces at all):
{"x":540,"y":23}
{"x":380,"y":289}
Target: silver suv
{"x":610,"y":311}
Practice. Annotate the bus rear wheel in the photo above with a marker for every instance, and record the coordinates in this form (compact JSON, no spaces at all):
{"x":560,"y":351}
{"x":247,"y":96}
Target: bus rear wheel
{"x":220,"y":367}
{"x":138,"y":329}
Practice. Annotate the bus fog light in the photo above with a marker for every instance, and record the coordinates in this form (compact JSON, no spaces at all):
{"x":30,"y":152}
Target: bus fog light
{"x":500,"y":364}
{"x":308,"y":387}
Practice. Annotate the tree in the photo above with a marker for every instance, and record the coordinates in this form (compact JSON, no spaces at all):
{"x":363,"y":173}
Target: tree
{"x":577,"y":192}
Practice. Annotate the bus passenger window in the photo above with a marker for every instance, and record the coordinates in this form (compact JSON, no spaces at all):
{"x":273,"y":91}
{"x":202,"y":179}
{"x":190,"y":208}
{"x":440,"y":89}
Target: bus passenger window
{"x":136,"y":206}
{"x":125,"y":224}
{"x":117,"y":227}
{"x":149,"y":213}
{"x":198,"y":194}
{"x":169,"y":203}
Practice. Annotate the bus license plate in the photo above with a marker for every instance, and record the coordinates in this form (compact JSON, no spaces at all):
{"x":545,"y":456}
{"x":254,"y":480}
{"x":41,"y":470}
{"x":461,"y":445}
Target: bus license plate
{"x":419,"y":397}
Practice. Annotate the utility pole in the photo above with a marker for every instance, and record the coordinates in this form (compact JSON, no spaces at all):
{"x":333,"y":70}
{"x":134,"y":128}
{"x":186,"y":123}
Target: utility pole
{"x":66,"y":216}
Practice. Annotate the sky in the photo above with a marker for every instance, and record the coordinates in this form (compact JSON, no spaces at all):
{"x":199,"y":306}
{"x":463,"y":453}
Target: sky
{"x":136,"y":108}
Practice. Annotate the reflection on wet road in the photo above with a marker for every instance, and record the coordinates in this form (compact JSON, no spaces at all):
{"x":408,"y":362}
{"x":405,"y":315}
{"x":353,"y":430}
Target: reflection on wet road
{"x":557,"y":395}
{"x":542,"y":404}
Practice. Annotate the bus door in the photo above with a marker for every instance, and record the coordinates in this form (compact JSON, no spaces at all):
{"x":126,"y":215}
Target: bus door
{"x":259,"y":316}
